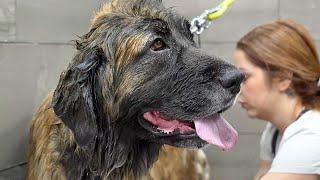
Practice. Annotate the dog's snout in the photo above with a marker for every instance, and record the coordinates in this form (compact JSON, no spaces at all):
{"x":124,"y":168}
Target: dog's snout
{"x":231,"y":80}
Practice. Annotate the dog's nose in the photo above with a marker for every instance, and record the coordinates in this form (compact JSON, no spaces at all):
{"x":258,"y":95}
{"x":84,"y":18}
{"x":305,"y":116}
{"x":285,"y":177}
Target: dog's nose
{"x":231,"y":80}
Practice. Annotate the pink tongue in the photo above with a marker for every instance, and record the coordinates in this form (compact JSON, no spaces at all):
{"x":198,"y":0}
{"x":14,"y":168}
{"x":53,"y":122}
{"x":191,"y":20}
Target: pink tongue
{"x":216,"y":130}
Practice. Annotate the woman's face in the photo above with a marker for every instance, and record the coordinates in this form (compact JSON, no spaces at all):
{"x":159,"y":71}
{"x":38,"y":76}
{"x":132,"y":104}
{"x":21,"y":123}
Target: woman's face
{"x":256,"y":95}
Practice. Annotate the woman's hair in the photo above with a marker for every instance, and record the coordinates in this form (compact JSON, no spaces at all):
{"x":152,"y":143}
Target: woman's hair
{"x":282,"y":48}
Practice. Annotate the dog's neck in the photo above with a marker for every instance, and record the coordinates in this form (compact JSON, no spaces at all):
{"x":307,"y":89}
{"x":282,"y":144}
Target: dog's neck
{"x":116,"y":155}
{"x":125,"y":154}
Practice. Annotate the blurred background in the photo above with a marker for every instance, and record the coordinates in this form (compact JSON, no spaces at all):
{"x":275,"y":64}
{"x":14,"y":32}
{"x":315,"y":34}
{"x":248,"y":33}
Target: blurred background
{"x":35,"y":46}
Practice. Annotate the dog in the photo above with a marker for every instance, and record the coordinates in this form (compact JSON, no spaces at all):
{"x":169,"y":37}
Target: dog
{"x":137,"y":92}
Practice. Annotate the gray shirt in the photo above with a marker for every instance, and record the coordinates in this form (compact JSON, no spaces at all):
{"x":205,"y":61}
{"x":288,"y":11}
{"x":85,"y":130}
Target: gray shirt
{"x":299,"y":148}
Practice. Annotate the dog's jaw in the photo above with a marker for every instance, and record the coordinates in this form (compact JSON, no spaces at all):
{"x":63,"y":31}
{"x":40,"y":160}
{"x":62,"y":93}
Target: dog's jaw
{"x":128,"y":156}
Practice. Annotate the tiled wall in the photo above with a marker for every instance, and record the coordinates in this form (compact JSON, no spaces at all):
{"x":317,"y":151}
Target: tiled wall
{"x":35,"y":46}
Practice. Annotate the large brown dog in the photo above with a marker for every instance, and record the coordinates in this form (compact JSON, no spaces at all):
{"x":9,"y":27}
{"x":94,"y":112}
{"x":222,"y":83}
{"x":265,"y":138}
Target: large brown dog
{"x":136,"y":82}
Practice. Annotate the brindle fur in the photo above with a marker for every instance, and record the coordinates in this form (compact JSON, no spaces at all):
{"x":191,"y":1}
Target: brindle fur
{"x":48,"y":134}
{"x":88,"y":128}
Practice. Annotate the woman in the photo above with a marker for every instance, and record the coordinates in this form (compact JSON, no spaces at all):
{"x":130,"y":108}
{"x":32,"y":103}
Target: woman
{"x":281,"y":86}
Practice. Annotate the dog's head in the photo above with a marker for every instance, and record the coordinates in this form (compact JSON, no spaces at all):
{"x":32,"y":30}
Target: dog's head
{"x":138,"y":71}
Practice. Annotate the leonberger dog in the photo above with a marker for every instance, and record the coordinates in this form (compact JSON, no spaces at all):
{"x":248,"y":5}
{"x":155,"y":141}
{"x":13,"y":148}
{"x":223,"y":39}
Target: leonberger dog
{"x":137,"y":81}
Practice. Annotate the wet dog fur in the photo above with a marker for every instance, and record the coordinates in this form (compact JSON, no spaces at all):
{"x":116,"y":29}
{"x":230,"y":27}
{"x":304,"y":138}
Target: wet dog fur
{"x":137,"y":57}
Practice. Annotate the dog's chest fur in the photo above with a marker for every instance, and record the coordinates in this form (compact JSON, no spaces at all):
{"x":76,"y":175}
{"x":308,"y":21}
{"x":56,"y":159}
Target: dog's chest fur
{"x":50,"y":136}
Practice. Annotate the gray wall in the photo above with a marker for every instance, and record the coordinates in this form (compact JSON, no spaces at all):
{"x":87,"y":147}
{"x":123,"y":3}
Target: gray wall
{"x":35,"y":46}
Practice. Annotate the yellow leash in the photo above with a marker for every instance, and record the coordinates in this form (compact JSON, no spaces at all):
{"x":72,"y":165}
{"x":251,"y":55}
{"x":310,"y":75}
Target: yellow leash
{"x":198,"y":24}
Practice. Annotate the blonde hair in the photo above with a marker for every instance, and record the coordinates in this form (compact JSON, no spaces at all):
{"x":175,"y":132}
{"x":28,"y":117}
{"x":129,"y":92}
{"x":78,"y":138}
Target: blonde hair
{"x":286,"y":46}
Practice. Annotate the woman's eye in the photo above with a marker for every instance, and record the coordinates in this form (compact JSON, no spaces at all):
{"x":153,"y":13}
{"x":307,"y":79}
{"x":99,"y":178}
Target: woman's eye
{"x":246,"y":76}
{"x":158,"y":45}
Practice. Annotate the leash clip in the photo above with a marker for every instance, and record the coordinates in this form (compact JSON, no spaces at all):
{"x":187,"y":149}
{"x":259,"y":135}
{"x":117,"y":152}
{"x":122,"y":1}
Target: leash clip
{"x":200,"y":23}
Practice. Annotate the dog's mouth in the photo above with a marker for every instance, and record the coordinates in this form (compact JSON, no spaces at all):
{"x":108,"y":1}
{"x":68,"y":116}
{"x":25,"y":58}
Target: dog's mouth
{"x":213,"y":129}
{"x":168,"y":126}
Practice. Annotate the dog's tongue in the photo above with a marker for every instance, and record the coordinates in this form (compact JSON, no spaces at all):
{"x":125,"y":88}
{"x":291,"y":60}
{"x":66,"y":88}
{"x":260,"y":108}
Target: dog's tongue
{"x":216,"y":130}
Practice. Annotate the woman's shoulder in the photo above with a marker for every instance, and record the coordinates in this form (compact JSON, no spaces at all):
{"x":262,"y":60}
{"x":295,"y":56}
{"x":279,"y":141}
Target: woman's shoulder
{"x":299,"y":150}
{"x":313,"y":115}
{"x":310,"y":121}
{"x":306,"y":127}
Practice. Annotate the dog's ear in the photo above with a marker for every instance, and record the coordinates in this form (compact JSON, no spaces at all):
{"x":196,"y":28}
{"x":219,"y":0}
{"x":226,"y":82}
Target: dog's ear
{"x":74,"y":99}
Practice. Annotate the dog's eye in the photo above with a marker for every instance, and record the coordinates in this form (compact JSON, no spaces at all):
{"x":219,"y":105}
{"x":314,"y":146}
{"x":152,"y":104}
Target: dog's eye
{"x":158,"y":45}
